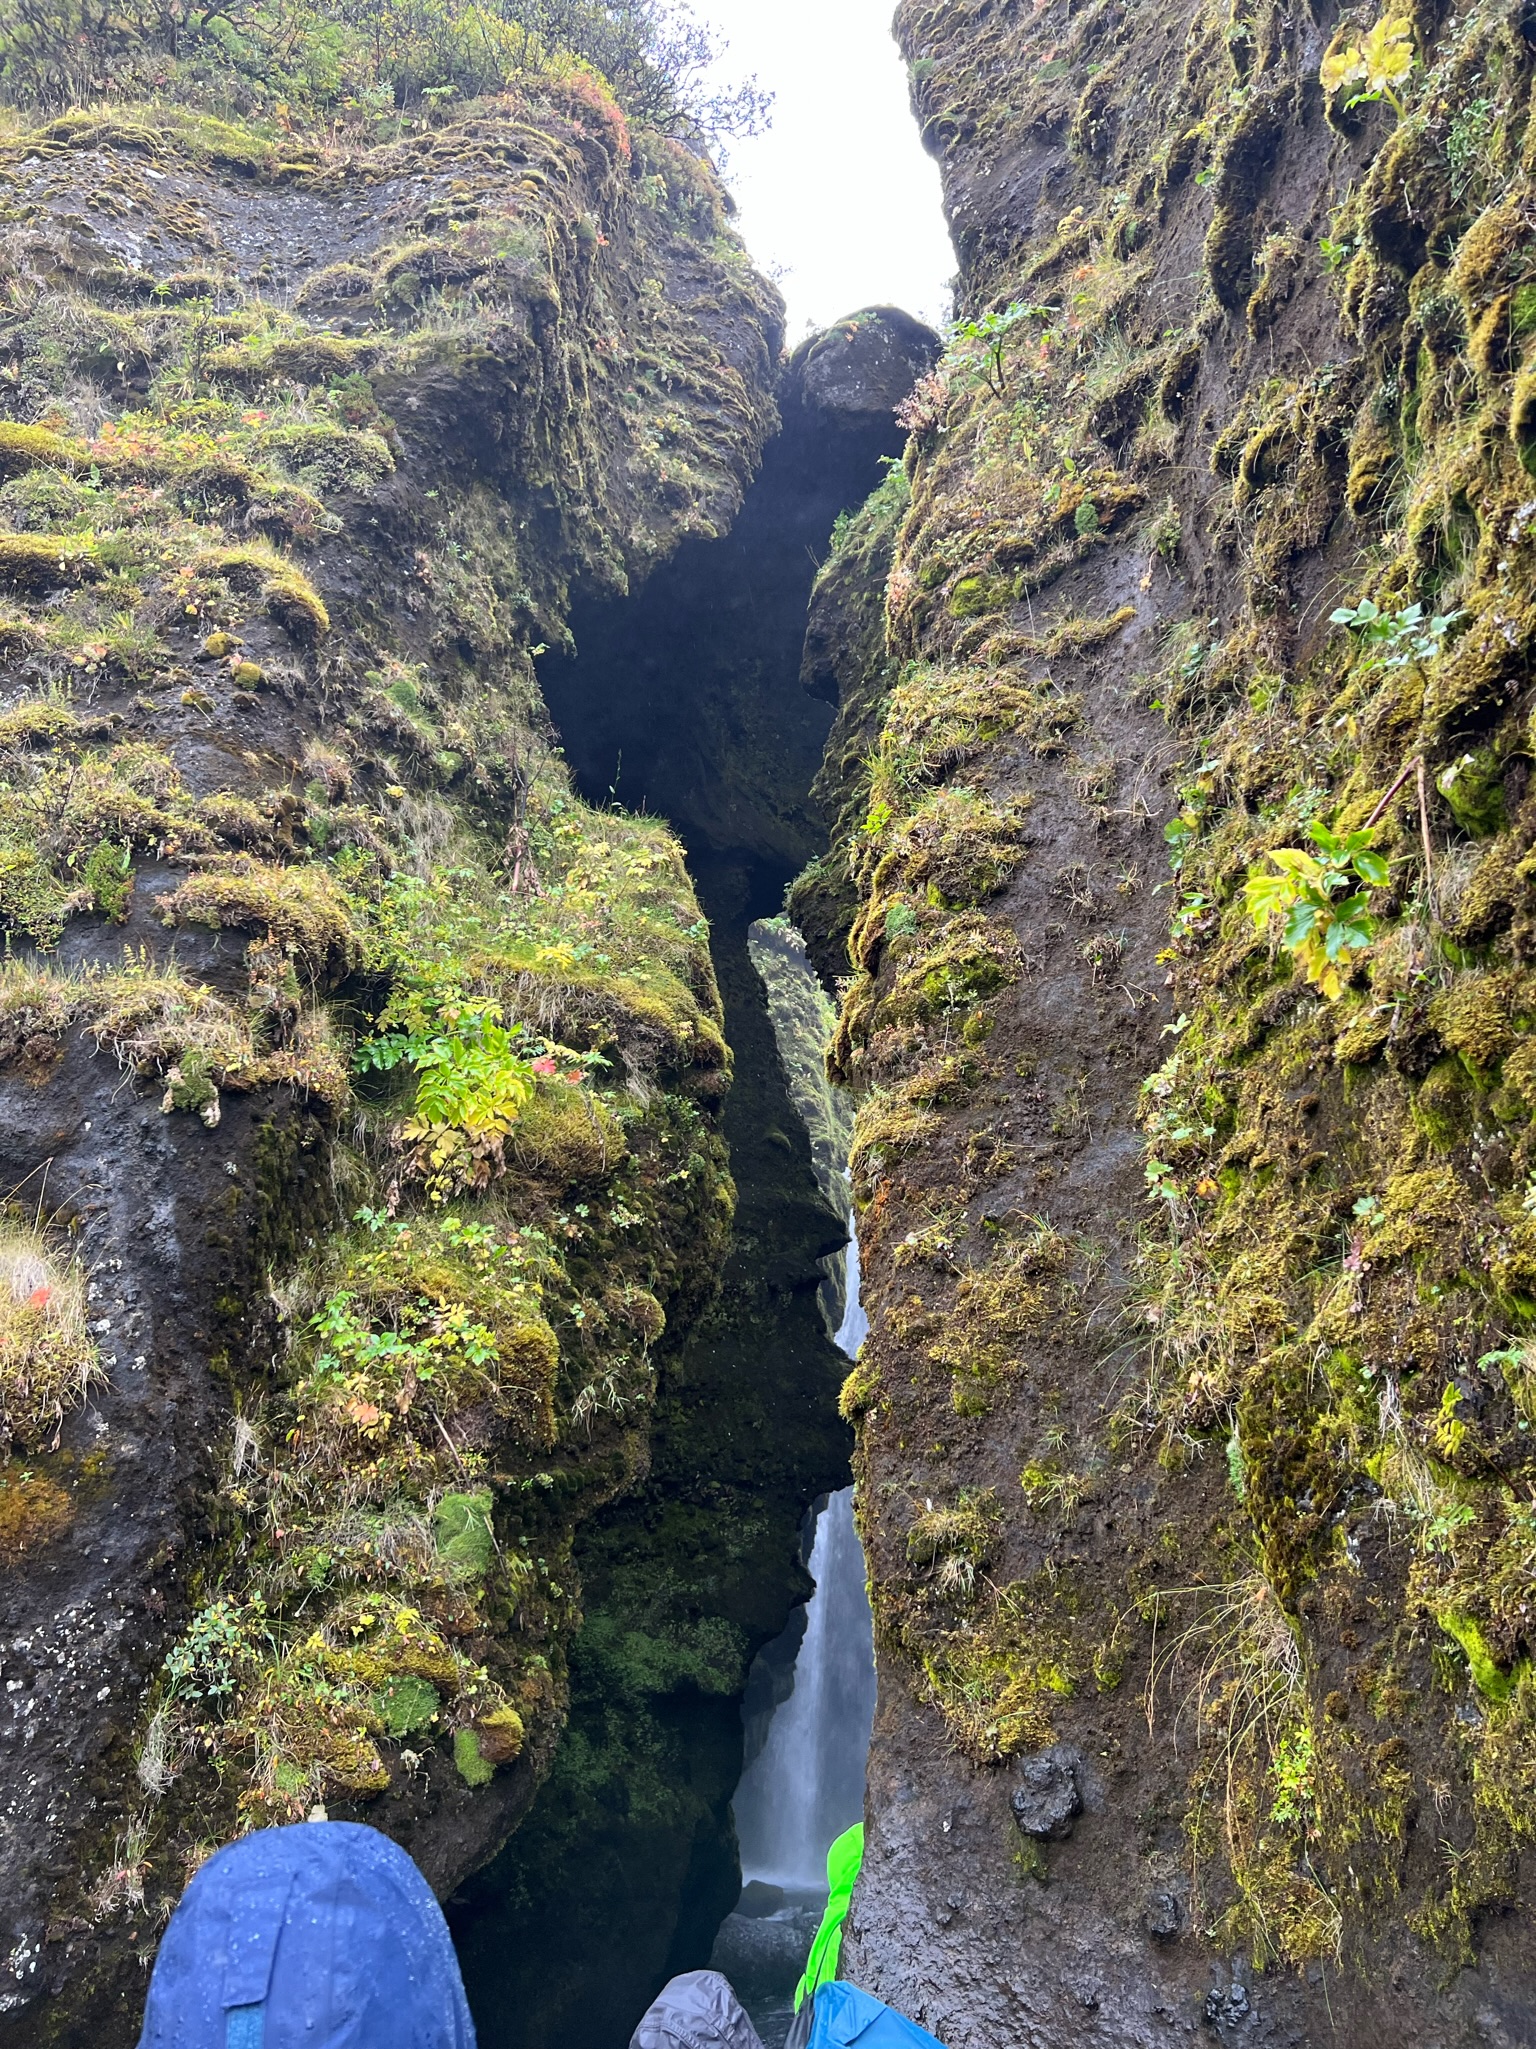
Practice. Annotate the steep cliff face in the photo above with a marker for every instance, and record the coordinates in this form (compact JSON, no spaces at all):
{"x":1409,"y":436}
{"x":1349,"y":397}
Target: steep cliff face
{"x":627,"y":1862}
{"x":688,"y":701}
{"x":359,"y":1087}
{"x":1194,"y":1424}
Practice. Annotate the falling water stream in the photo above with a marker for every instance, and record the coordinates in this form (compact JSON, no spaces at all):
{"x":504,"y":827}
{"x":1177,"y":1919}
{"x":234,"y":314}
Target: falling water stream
{"x":804,"y":1784}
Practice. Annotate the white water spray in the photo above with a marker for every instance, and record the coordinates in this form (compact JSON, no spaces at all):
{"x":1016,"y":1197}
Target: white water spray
{"x":806,"y":1784}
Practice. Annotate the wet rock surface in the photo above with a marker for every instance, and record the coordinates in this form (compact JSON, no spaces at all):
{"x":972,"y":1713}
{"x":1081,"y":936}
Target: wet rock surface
{"x":174,"y":1220}
{"x":1104,"y":1501}
{"x":710,"y":725}
{"x":1048,"y":1800}
{"x":626,"y":1864}
{"x":687,"y":697}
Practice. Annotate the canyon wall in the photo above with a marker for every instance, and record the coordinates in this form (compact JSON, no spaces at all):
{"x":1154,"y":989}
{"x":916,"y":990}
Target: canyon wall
{"x":360,"y":1086}
{"x":1182,"y":866}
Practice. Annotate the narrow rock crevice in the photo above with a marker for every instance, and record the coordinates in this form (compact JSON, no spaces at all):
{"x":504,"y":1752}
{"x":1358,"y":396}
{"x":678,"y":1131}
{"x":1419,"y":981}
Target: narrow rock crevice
{"x":686,"y":697}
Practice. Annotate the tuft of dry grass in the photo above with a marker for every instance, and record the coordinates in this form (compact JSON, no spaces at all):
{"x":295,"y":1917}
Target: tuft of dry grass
{"x":48,"y":1359}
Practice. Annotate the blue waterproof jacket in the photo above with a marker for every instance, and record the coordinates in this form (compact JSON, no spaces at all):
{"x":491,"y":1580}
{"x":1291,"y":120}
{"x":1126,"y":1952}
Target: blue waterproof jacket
{"x":320,"y":1936}
{"x":845,"y":2016}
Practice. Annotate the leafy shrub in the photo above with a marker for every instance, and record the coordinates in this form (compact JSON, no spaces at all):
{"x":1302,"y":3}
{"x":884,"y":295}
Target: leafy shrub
{"x":431,"y":1317}
{"x":1321,"y":929}
{"x":472,"y":1085}
{"x":376,"y":54}
{"x":207,"y":1662}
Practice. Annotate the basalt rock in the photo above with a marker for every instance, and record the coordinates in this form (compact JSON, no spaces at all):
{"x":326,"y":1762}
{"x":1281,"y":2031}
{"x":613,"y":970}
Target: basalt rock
{"x":1193,"y":1421}
{"x":687,"y":698}
{"x":1047,"y":1800}
{"x":304,"y":450}
{"x":711,"y":727}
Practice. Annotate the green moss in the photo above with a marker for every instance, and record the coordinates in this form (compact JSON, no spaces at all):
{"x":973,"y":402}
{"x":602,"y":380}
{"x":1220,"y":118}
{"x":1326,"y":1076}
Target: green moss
{"x":1473,"y":786}
{"x":24,"y":448}
{"x":328,"y":458}
{"x":499,"y":1735}
{"x":569,"y":1136}
{"x":35,"y":1511}
{"x":997,"y":1309}
{"x":1488,"y":1676}
{"x":37,"y":721}
{"x":301,"y":907}
{"x":108,"y":876}
{"x":290,"y":597}
{"x":406,"y":1705}
{"x":40,"y":562}
{"x":974,"y":597}
{"x":1373,"y":459}
{"x":473,"y":1767}
{"x":860,"y":1392}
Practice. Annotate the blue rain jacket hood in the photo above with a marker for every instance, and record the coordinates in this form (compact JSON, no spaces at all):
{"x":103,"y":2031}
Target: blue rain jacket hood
{"x":320,"y":1936}
{"x":845,"y":2017}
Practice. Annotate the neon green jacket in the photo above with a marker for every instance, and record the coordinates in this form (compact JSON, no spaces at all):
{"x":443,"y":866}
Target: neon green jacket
{"x":844,"y":1860}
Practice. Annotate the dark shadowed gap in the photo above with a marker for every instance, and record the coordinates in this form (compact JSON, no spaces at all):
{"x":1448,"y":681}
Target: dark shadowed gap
{"x":686,"y":700}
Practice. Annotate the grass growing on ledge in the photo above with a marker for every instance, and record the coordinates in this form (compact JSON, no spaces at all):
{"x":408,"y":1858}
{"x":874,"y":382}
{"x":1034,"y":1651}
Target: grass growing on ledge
{"x":290,"y":597}
{"x":160,"y":1023}
{"x":301,"y":907}
{"x":48,"y":1358}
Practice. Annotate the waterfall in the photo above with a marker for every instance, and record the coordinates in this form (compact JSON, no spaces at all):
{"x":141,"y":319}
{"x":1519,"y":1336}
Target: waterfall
{"x":854,"y":1328}
{"x":810,"y":1700}
{"x":806,"y":1784}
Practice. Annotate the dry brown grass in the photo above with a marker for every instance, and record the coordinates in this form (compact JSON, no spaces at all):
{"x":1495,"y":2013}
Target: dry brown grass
{"x":48,"y":1359}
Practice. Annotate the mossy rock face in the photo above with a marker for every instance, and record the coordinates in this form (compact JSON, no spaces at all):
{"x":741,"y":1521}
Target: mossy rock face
{"x":40,"y":562}
{"x":273,"y":791}
{"x":1312,"y":1187}
{"x":24,"y":448}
